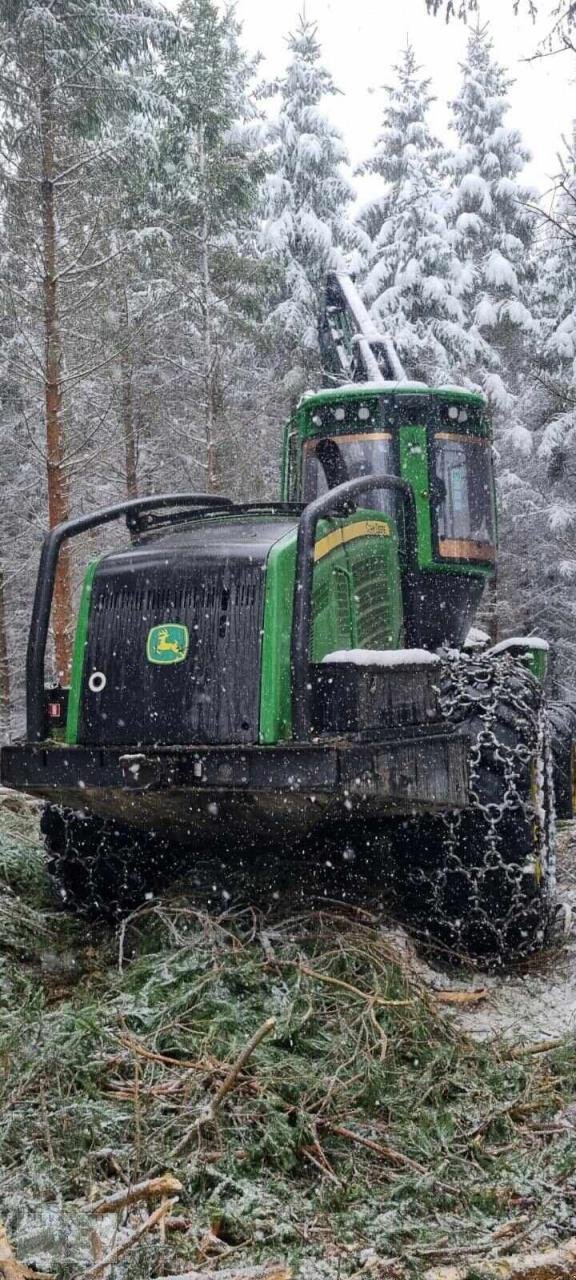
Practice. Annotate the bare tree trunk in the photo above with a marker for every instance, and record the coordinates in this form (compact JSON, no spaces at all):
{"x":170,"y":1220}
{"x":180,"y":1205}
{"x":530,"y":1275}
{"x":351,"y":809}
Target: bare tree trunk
{"x":4,"y":663}
{"x":58,"y":494}
{"x":127,"y":403}
{"x":212,"y":478}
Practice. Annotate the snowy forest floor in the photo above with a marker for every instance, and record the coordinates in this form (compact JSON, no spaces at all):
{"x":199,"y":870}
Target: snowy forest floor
{"x":395,"y":1116}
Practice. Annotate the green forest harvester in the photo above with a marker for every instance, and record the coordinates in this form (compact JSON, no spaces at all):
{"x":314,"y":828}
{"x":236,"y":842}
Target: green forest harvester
{"x":263,"y":683}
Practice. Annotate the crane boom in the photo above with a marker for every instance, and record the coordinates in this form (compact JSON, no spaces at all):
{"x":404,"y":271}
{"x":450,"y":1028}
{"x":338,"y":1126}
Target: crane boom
{"x":352,"y":347}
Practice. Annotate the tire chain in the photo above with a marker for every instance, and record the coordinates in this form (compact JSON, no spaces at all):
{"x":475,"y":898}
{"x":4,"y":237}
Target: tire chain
{"x":101,"y":872}
{"x":472,"y":687}
{"x":476,"y":688}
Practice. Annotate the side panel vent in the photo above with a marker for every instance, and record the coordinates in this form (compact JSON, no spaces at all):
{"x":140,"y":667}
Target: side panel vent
{"x":373,"y":605}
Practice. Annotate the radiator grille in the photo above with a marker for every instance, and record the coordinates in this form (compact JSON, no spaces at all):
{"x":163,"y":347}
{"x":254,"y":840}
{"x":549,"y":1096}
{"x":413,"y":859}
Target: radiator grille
{"x":213,"y":695}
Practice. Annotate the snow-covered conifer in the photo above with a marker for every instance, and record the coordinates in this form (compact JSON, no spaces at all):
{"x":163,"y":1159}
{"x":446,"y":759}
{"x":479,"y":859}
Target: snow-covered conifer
{"x":493,"y":225}
{"x":413,"y":282}
{"x":77,"y":82}
{"x":210,"y":168}
{"x":306,"y":198}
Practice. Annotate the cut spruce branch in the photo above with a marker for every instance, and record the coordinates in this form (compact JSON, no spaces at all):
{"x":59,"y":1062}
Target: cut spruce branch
{"x":394,"y":1157}
{"x":208,"y":1115}
{"x":371,"y":997}
{"x":550,"y":1264}
{"x":118,"y":1252}
{"x":150,"y":1189}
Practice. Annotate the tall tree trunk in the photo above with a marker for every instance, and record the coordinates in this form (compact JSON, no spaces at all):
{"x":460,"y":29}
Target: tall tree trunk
{"x":4,"y":663}
{"x":127,"y":408}
{"x":58,"y":493}
{"x":212,"y":477}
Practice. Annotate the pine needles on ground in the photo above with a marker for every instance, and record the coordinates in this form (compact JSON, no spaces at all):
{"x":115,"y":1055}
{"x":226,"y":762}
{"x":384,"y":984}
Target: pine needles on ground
{"x":361,"y":1125}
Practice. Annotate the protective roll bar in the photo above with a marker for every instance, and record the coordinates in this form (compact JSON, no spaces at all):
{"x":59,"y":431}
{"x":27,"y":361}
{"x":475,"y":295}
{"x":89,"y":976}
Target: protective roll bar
{"x":42,"y":607}
{"x":334,"y":502}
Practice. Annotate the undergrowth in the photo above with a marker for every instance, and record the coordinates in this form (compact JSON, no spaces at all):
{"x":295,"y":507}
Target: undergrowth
{"x":364,"y":1134}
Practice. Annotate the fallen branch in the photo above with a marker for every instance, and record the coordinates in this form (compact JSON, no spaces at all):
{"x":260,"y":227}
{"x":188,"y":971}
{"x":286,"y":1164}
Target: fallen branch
{"x":461,"y":997}
{"x":369,"y":996}
{"x":388,"y":1153}
{"x":130,"y":1042}
{"x":543,"y":1046}
{"x":270,"y":1271}
{"x":209,"y":1114}
{"x":125,"y":1245}
{"x":551,"y":1264}
{"x":10,"y":1268}
{"x":395,"y":1157}
{"x":151,"y":1189}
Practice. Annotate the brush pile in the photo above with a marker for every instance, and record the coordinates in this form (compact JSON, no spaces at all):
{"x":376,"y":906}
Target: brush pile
{"x":286,"y":1090}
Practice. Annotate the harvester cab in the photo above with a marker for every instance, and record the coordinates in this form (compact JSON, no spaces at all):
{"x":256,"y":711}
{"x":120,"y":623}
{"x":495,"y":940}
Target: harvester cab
{"x":438,"y":440}
{"x":291,"y":675}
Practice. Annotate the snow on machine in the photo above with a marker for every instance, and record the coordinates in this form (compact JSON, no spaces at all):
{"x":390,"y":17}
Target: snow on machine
{"x":294,"y":675}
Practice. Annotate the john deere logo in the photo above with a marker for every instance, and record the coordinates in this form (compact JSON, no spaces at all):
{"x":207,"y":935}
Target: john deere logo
{"x":168,"y":643}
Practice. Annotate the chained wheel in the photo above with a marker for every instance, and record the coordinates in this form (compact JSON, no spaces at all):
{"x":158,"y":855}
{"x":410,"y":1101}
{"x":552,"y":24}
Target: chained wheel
{"x":481,"y":881}
{"x":101,"y":869}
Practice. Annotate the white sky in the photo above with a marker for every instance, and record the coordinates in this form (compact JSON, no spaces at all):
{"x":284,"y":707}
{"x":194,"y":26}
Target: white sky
{"x":361,"y":40}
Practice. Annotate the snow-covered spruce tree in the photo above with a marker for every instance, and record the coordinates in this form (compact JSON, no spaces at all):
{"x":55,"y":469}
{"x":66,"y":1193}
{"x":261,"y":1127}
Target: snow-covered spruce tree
{"x":70,"y":76}
{"x":412,"y":279}
{"x":209,"y":171}
{"x":306,"y":198}
{"x":493,"y":229}
{"x":555,"y":305}
{"x":541,"y":506}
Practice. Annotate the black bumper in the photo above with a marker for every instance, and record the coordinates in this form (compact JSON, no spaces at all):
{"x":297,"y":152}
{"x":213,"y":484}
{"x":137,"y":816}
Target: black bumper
{"x":423,"y":771}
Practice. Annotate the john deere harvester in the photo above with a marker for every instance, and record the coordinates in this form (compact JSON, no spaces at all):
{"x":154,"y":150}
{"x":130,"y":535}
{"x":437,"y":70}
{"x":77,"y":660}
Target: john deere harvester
{"x":294,"y":677}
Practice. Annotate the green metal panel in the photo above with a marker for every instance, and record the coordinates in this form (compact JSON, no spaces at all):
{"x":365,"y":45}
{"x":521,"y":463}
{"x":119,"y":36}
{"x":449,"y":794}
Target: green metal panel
{"x":275,"y":704}
{"x":377,"y":592}
{"x":356,"y":603}
{"x":302,"y":419}
{"x":333,"y":625}
{"x":285,"y":464}
{"x":414,"y":469}
{"x":79,"y":652}
{"x":539,"y":664}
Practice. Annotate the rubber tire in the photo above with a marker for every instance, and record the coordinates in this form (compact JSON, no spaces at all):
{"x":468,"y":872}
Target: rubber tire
{"x":488,"y":905}
{"x":100,"y":868}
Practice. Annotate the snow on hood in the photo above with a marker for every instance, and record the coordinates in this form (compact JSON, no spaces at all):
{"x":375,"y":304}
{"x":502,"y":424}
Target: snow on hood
{"x":476,"y":638}
{"x":383,"y":385}
{"x":522,"y":642}
{"x":384,"y":657}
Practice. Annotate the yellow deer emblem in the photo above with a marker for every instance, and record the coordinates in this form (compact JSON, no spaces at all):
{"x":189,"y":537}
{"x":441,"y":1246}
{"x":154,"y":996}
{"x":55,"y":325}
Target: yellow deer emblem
{"x":168,"y":643}
{"x":164,"y":645}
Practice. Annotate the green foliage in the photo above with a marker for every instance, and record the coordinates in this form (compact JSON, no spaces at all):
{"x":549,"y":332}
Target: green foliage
{"x":304,"y":204}
{"x":80,"y":53}
{"x":113,"y":1048}
{"x":209,"y":164}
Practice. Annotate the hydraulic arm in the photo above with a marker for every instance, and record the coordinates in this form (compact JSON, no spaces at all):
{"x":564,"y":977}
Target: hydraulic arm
{"x":352,"y":347}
